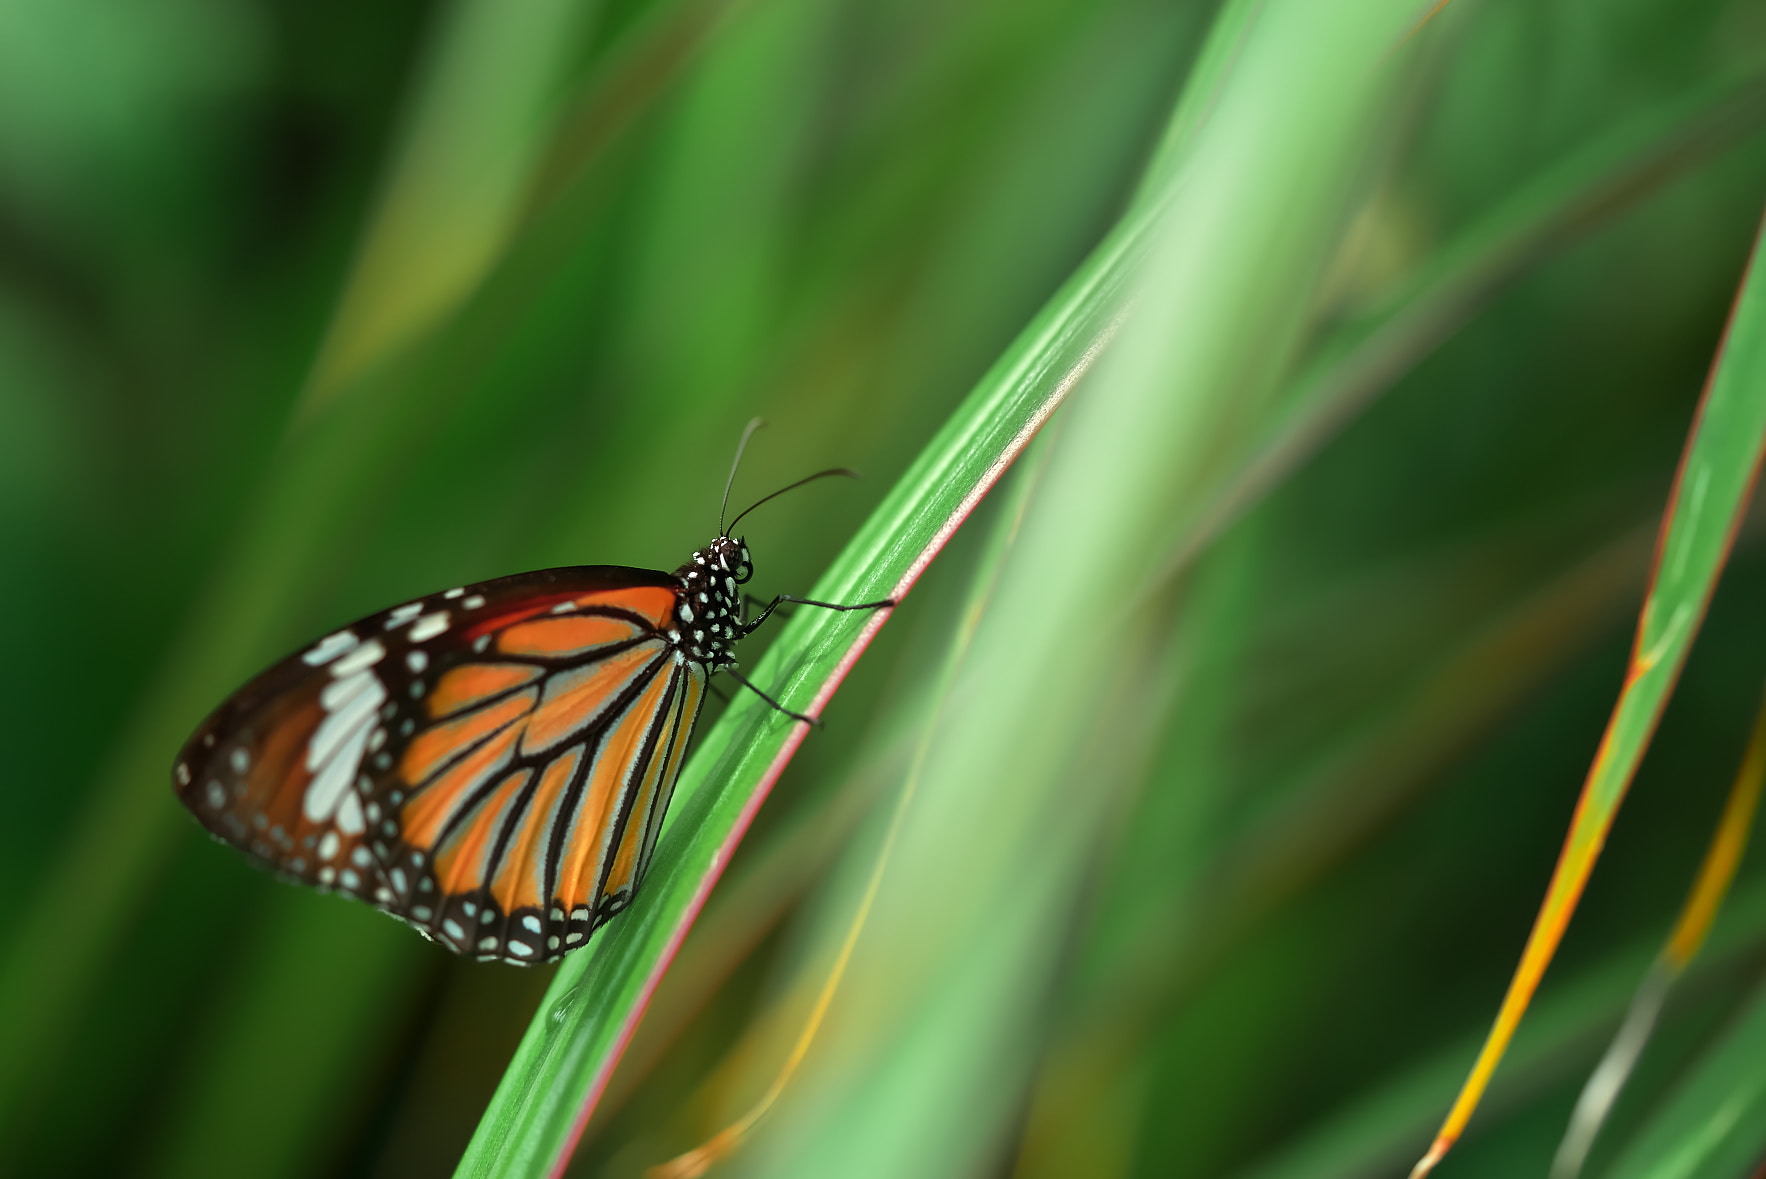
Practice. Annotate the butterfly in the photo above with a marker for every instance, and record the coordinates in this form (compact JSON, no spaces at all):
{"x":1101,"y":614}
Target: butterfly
{"x":490,"y":764}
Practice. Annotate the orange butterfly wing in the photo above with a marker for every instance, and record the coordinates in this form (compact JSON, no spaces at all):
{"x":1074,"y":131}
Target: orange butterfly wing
{"x":491,"y":764}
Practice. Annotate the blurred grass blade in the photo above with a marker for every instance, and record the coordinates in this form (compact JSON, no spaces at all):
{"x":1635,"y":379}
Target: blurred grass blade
{"x":1716,"y":874}
{"x":1573,"y":196}
{"x":457,"y":188}
{"x":1333,"y":801}
{"x":1710,"y":495}
{"x":1723,"y":857}
{"x":749,"y":904}
{"x":558,"y":1072}
{"x":1713,"y":1125}
{"x":1376,"y":1132}
{"x":983,"y":582}
{"x":668,"y":38}
{"x":286,"y":541}
{"x":281,"y":1127}
{"x":1557,"y":208}
{"x":922,"y":1068}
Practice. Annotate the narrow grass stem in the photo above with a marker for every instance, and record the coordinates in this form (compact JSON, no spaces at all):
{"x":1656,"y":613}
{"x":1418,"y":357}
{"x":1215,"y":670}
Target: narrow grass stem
{"x":1716,"y":874}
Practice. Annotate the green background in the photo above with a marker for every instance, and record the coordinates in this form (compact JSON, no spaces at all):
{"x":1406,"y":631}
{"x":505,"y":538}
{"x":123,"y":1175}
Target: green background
{"x":638,"y":225}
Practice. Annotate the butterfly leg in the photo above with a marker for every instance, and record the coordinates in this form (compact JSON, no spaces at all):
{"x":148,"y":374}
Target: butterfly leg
{"x":749,"y":684}
{"x":747,"y":601}
{"x":749,"y":628}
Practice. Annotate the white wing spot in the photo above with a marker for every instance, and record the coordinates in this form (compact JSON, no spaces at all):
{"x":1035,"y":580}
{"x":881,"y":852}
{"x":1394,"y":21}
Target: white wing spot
{"x":429,"y":626}
{"x":183,"y":774}
{"x":328,"y":845}
{"x":349,"y":815}
{"x":363,"y":657}
{"x":487,"y":943}
{"x":521,"y":948}
{"x":357,"y":690}
{"x":329,"y":648}
{"x":564,"y":607}
{"x":531,"y":923}
{"x":452,"y":929}
{"x":416,"y":661}
{"x":574,"y":937}
{"x":336,"y":748}
{"x":360,"y":857}
{"x":472,"y":603}
{"x":403,"y":614}
{"x":552,"y":942}
{"x":399,"y":879}
{"x":383,"y":894}
{"x":422,"y":912}
{"x":240,"y":760}
{"x":349,"y":879}
{"x":217,"y":796}
{"x":453,"y":593}
{"x":327,"y":875}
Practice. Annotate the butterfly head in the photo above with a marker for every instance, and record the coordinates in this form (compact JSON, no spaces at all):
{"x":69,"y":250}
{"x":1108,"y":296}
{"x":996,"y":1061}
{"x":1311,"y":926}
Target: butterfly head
{"x":724,"y":557}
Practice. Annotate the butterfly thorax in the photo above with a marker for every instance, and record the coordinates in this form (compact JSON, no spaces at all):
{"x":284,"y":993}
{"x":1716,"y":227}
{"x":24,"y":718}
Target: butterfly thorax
{"x":708,"y":612}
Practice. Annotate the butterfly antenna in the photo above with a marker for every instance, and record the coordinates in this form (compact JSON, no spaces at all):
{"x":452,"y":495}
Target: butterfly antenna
{"x":848,"y":473}
{"x":747,"y":433}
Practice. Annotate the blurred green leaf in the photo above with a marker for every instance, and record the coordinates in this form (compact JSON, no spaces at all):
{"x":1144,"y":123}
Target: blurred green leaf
{"x":1575,"y":195}
{"x":1713,"y":1125}
{"x":480,"y":122}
